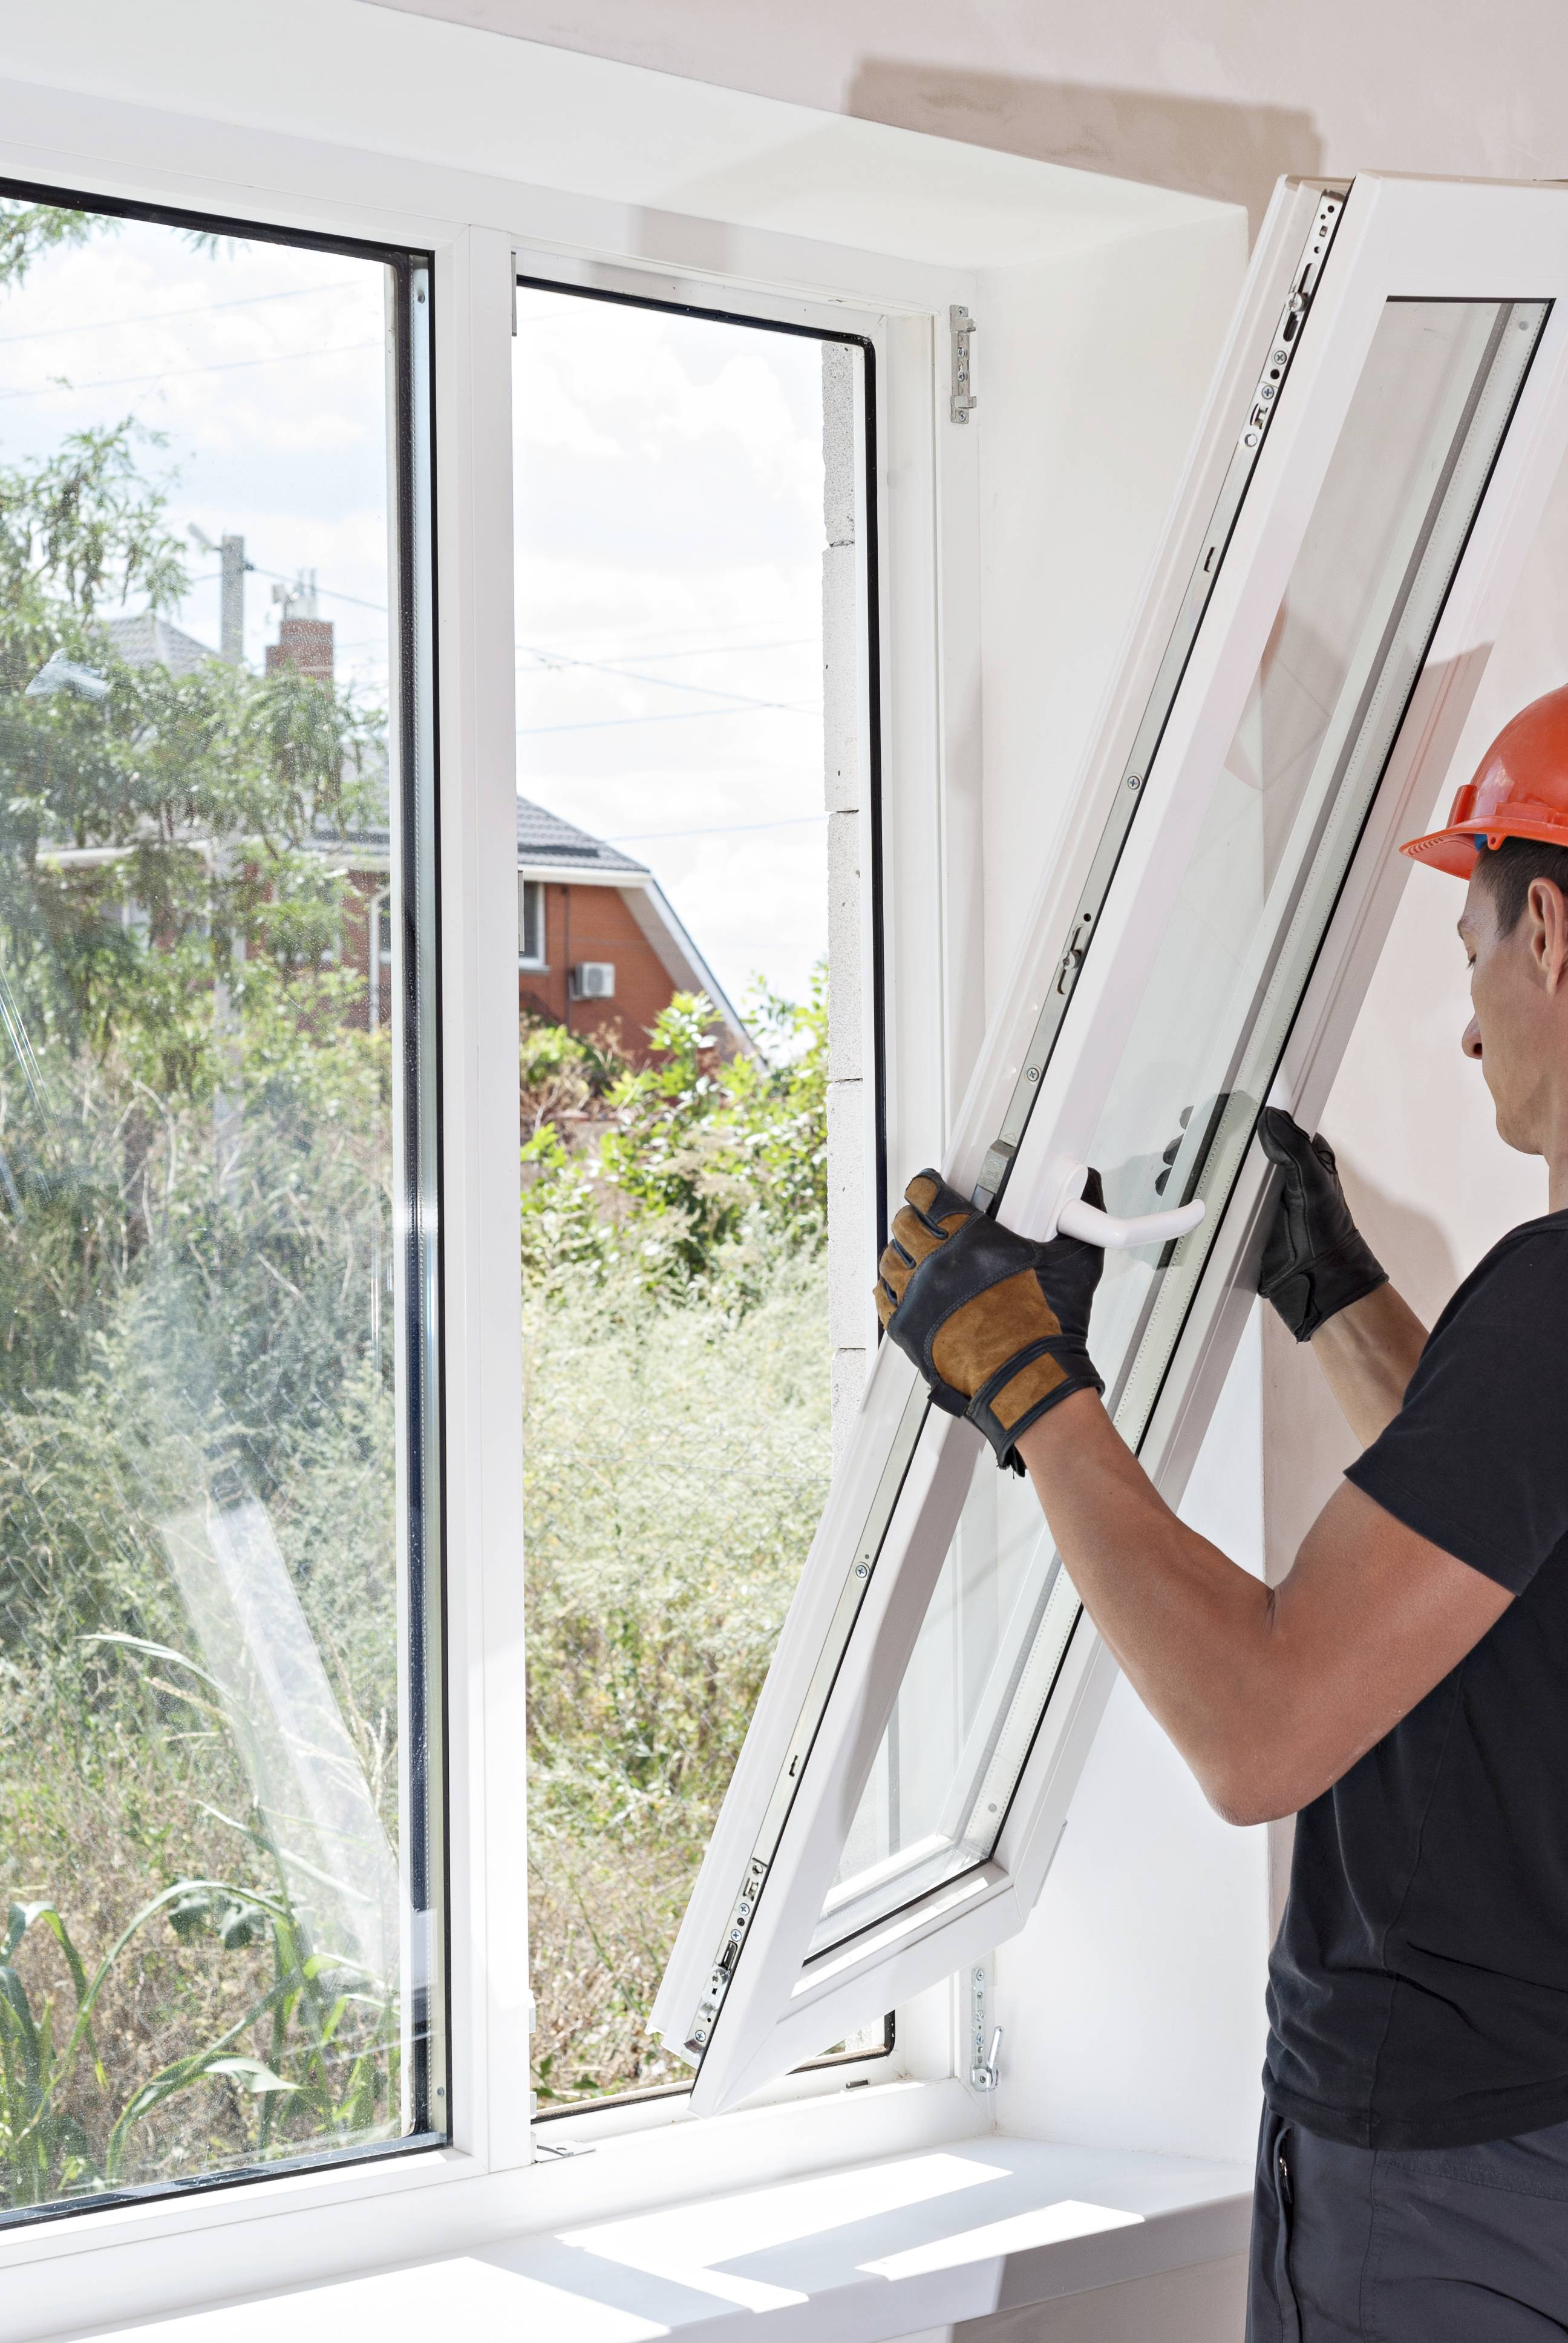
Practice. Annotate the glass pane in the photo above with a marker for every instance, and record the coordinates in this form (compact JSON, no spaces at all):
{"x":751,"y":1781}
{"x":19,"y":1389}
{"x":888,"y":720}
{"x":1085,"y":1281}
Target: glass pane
{"x":1284,"y":814}
{"x":215,"y":1757}
{"x":687,"y":576}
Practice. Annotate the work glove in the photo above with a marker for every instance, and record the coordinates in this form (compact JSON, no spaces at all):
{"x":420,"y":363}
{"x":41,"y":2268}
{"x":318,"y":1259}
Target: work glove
{"x":1316,"y":1261}
{"x":996,"y":1323}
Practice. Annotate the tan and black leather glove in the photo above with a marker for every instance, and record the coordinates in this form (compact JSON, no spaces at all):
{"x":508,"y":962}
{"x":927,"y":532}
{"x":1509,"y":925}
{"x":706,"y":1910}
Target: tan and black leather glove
{"x":996,"y":1324}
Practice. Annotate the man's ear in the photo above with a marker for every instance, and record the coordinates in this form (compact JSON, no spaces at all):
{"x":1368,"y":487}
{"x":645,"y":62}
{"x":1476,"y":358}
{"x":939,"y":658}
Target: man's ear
{"x":1547,"y":913}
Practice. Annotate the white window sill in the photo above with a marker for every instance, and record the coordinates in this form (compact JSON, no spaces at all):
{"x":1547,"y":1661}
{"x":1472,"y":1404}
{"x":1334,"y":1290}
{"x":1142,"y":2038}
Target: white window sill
{"x":863,"y":2253}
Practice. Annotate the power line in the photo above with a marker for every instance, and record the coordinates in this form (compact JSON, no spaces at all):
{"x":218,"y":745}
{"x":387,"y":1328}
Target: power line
{"x":558,"y":663}
{"x":706,"y":651}
{"x":677,"y":716}
{"x":158,"y":316}
{"x":721,"y":829}
{"x":613,"y":627}
{"x":333,"y":593}
{"x":170,"y":373}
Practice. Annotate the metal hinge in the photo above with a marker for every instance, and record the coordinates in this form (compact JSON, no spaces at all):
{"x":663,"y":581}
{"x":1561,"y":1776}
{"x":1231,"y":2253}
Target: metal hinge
{"x":960,"y":326}
{"x":985,"y":2055}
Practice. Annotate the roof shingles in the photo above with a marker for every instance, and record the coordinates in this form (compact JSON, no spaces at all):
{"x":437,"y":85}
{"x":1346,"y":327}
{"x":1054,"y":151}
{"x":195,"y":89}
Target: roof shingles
{"x":544,"y":837}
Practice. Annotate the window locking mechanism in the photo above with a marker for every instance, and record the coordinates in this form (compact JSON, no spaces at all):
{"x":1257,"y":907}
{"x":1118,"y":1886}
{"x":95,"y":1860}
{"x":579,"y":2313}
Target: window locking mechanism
{"x":1072,"y":958}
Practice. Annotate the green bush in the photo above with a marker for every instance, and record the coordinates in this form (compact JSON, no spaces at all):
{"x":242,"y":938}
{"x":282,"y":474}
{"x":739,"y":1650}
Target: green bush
{"x":196,"y":1247}
{"x":678,"y":1446}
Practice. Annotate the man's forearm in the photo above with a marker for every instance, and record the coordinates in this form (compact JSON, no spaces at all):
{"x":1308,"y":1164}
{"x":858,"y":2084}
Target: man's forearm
{"x":1269,"y":1694}
{"x":1188,"y":1626}
{"x":1368,"y":1353}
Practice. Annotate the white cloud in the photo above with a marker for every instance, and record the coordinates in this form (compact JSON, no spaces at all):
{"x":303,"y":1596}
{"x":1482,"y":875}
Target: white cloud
{"x":668,"y":485}
{"x":261,"y":368}
{"x":669,"y":481}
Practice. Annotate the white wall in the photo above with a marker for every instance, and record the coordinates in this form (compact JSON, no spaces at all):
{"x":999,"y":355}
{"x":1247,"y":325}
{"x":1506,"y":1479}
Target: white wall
{"x":1132,"y":2003}
{"x":1216,"y":97}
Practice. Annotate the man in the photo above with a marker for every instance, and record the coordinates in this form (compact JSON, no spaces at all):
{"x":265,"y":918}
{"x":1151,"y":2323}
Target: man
{"x":1404,"y":1690}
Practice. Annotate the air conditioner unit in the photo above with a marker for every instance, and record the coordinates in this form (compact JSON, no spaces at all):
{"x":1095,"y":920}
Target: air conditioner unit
{"x":594,"y":980}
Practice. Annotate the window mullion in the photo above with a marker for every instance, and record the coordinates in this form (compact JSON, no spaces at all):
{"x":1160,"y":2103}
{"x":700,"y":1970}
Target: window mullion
{"x":486,"y":1723}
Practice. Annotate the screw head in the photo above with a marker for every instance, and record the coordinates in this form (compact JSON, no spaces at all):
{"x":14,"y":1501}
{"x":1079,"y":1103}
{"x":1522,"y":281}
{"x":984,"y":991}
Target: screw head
{"x":1135,"y":780}
{"x":863,"y":1570}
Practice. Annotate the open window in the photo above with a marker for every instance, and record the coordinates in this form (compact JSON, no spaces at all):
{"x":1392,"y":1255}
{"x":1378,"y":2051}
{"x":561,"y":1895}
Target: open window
{"x":698,"y":1087}
{"x":1385,"y":420}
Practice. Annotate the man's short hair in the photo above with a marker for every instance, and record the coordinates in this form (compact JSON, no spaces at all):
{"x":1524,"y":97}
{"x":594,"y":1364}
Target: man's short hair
{"x":1510,"y":870}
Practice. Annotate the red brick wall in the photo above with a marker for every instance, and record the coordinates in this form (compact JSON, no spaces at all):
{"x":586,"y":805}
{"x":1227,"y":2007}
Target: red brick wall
{"x":305,"y":644}
{"x":580,"y":923}
{"x":595,"y":923}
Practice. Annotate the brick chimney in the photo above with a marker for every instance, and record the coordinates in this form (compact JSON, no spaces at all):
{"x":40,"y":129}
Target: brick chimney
{"x":304,"y":641}
{"x":305,"y":644}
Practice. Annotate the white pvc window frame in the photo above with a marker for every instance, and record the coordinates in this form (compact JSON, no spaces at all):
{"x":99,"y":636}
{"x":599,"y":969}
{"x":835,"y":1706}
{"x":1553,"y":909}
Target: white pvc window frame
{"x":531,"y":936}
{"x":151,"y":2258}
{"x":743,"y":1994}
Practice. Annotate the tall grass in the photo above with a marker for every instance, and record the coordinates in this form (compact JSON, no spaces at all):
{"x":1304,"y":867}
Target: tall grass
{"x":678,"y":1447}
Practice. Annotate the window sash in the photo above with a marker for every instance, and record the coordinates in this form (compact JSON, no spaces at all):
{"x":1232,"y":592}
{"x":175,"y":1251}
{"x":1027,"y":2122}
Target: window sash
{"x":744,"y":1992}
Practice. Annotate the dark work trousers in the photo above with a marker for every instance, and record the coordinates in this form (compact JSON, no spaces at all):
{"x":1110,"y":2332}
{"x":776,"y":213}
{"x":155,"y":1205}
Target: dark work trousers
{"x":1426,"y":2245}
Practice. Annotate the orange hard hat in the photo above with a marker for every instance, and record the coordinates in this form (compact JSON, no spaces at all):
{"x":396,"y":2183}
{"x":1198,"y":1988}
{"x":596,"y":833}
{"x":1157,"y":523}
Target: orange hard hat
{"x":1519,"y":790}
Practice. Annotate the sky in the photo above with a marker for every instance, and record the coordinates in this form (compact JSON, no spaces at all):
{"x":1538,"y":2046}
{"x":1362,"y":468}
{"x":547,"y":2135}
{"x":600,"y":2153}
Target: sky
{"x":669,"y":534}
{"x":261,"y":370}
{"x":669,"y":502}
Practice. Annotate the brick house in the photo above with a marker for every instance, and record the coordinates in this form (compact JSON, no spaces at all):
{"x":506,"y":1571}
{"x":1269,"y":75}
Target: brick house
{"x":599,"y":947}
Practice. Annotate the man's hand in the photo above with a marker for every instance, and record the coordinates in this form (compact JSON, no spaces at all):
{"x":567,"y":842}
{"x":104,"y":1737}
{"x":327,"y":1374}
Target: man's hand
{"x":1328,"y":1286}
{"x":1315,"y":1260}
{"x":996,"y":1324}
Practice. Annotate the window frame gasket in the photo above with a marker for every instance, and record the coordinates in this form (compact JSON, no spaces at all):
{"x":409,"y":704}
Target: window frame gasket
{"x":415,"y":647}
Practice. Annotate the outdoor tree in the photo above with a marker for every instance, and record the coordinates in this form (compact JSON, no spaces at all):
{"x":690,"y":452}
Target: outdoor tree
{"x":195,"y":1305}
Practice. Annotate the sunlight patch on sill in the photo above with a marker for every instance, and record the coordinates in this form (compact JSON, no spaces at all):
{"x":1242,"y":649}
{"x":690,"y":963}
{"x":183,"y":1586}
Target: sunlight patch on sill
{"x":1047,"y":2225}
{"x":683,"y":2243}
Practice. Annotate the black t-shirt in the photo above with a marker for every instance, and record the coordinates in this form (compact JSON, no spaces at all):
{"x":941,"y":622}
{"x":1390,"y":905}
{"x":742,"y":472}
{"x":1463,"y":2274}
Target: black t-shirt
{"x":1418,"y":1992}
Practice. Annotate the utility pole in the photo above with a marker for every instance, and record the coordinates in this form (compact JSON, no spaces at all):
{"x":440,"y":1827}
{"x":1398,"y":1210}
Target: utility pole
{"x":231,"y":633}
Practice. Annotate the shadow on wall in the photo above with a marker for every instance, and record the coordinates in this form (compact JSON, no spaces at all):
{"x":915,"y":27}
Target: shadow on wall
{"x":1197,"y":145}
{"x":1411,"y":1244}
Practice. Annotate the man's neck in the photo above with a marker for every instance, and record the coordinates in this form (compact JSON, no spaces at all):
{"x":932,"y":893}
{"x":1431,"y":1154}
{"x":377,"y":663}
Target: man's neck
{"x":1557,"y":1154}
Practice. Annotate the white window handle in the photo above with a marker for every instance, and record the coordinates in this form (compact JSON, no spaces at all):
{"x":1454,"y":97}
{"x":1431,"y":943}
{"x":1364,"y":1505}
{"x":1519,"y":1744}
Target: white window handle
{"x":1073,"y":1218}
